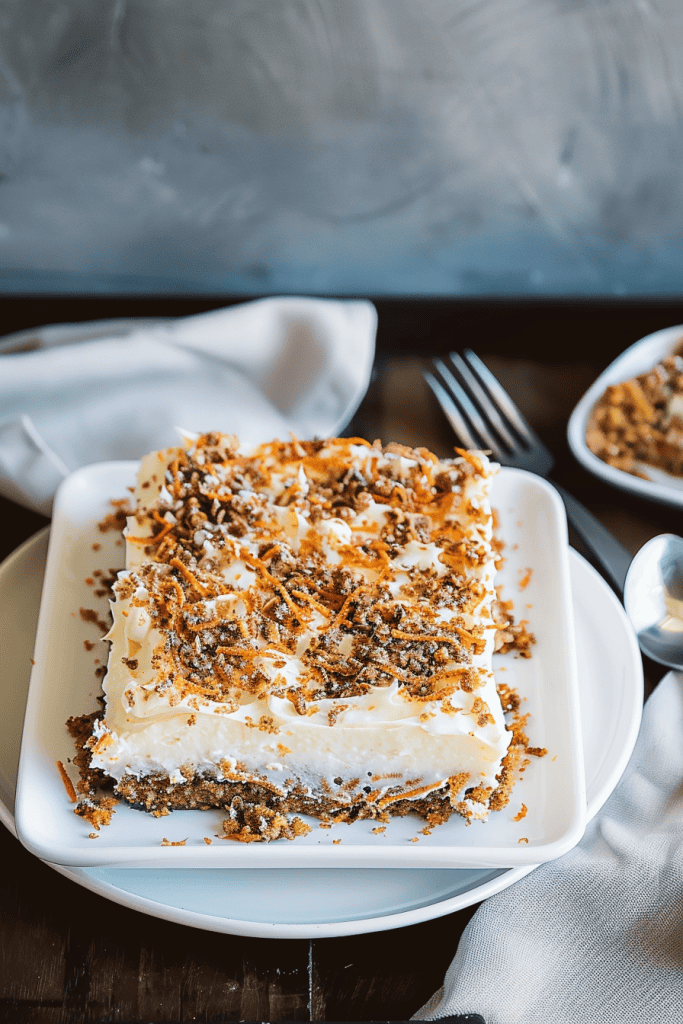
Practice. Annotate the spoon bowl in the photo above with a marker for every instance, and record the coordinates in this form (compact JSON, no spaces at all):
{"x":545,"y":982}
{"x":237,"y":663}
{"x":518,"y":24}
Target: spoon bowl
{"x":653,"y":598}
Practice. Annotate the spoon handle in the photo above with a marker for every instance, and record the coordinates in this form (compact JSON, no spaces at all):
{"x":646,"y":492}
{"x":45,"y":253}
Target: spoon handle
{"x":612,"y":557}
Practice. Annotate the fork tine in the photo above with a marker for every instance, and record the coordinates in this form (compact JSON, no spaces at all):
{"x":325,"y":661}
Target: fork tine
{"x":501,"y":398}
{"x":459,"y":395}
{"x":452,"y":412}
{"x":482,"y":397}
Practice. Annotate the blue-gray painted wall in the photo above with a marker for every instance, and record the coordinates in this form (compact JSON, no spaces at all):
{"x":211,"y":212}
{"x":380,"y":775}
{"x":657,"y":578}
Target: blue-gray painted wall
{"x":424,"y":147}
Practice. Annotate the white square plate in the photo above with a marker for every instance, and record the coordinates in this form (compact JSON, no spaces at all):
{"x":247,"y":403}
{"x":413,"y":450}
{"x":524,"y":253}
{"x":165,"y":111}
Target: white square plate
{"x":63,"y":684}
{"x":639,"y":358}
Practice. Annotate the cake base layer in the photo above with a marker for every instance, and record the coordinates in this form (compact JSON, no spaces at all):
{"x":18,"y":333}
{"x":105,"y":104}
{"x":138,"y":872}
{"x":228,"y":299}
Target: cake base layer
{"x":158,"y":795}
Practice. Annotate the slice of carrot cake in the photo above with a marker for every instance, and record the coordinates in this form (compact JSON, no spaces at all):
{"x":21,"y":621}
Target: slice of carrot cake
{"x":305,"y":627}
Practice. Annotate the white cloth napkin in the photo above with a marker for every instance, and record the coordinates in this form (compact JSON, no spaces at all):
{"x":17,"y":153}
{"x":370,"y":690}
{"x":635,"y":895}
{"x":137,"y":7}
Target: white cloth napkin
{"x":595,"y":937}
{"x":258,"y":370}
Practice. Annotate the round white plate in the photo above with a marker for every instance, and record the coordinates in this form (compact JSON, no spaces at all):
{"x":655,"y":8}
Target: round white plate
{"x":639,"y":358}
{"x":293,"y":903}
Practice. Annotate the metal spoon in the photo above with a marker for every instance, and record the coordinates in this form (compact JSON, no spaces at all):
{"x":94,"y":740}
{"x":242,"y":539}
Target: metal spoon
{"x":653,"y":598}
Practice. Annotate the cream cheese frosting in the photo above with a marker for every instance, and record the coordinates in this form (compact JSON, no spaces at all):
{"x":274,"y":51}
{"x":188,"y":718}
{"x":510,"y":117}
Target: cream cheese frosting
{"x":314,"y":615}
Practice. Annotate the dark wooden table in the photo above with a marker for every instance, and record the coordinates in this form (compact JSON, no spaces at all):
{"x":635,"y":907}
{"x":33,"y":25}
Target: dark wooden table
{"x":68,"y":955}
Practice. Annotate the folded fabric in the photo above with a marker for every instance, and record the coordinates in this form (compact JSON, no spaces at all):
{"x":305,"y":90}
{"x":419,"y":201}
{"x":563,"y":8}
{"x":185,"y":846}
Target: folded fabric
{"x":260,"y":370}
{"x":595,"y":937}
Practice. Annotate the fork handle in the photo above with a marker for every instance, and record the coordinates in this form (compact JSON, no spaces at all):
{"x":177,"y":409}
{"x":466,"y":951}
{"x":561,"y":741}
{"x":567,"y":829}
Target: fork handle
{"x":611,"y":556}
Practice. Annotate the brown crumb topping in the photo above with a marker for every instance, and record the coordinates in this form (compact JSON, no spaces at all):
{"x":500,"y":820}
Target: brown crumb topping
{"x":116,"y":520}
{"x":260,"y":824}
{"x":90,"y":615}
{"x":510,"y":635}
{"x":639,"y":422}
{"x":97,"y":810}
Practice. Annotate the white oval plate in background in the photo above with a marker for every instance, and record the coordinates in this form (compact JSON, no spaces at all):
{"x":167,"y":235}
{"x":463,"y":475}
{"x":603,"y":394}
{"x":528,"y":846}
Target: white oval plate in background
{"x":639,"y":358}
{"x":315,"y":904}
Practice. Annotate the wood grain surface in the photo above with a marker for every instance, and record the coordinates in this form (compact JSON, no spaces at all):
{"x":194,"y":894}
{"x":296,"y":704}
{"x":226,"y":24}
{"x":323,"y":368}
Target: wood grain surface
{"x":69,"y":955}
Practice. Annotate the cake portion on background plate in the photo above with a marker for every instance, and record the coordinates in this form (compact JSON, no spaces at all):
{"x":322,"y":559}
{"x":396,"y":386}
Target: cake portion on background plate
{"x":305,"y":627}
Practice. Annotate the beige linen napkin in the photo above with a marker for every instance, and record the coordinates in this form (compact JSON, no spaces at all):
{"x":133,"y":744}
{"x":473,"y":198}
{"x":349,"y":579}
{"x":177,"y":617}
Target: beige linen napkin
{"x":595,"y":937}
{"x":258,"y":370}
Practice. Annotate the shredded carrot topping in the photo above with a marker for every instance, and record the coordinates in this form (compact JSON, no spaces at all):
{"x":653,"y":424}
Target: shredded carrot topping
{"x":189,"y":576}
{"x":68,"y":785}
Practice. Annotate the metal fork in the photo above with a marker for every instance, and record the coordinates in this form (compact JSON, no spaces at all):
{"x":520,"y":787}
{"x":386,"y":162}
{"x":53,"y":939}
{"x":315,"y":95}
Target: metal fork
{"x":484,"y":416}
